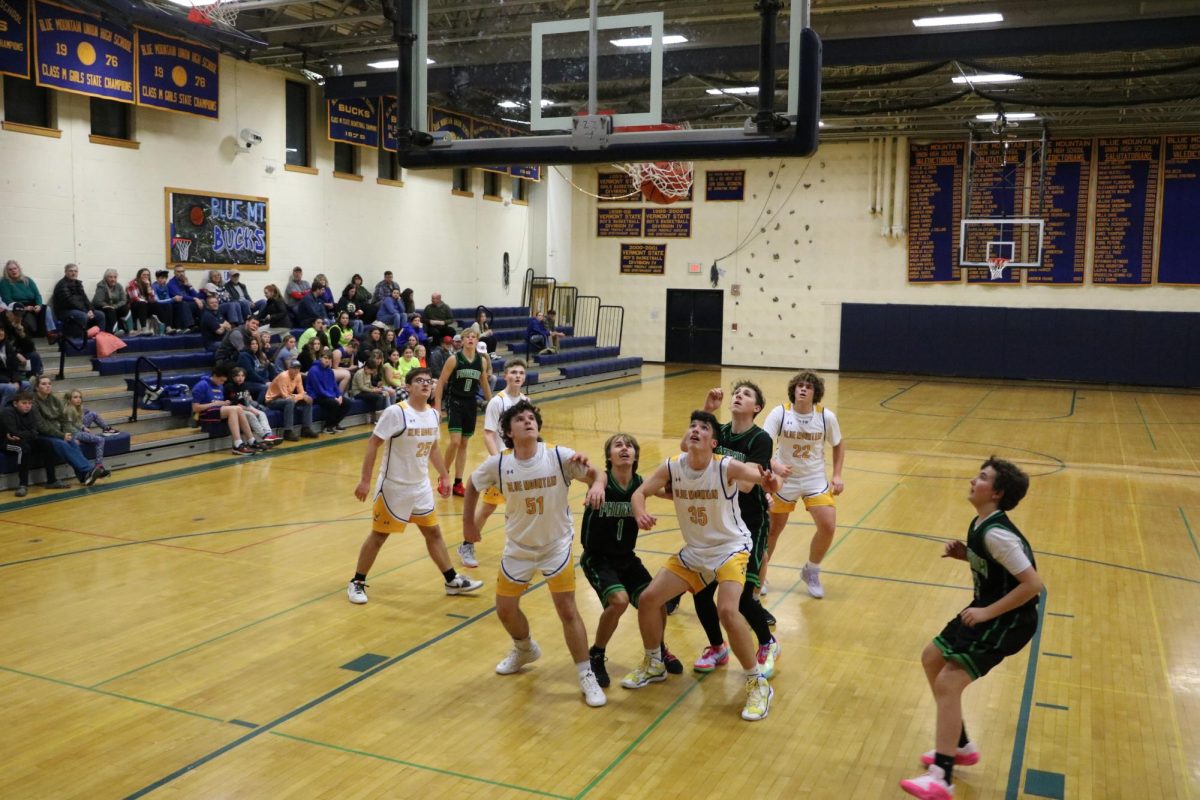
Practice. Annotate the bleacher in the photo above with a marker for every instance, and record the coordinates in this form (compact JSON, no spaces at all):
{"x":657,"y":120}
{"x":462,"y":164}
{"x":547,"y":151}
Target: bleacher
{"x":163,"y":427}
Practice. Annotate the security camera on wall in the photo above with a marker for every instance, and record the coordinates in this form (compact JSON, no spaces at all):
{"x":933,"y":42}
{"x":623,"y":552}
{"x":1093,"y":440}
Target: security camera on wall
{"x":248,"y":139}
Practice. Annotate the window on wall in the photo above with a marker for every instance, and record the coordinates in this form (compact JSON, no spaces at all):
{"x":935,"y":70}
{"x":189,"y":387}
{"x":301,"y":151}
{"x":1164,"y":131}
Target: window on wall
{"x":520,"y":191}
{"x":389,"y":165}
{"x":491,"y":185}
{"x":462,"y":180}
{"x":27,"y":103}
{"x":344,"y":158}
{"x":111,"y":119}
{"x":296,"y":114}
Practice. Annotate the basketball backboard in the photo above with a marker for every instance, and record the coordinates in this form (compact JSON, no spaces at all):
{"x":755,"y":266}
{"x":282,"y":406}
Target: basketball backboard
{"x":497,"y":82}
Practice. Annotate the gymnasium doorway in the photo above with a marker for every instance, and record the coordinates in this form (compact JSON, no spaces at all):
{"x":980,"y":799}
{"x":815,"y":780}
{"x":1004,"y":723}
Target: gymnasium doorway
{"x":694,"y":321}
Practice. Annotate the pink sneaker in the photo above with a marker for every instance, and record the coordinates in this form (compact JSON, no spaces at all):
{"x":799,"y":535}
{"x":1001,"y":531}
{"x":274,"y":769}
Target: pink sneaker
{"x":930,"y":786}
{"x":967,"y":756}
{"x":711,"y":658}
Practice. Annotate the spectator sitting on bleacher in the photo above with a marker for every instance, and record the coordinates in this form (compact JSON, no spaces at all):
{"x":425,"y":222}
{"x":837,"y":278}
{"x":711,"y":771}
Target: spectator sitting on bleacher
{"x":343,"y":329}
{"x":358,"y":301}
{"x":393,"y":375}
{"x":372,"y":338}
{"x":258,"y":368}
{"x":49,"y":414}
{"x":109,"y":299}
{"x":311,"y":307}
{"x":317,"y":331}
{"x":11,"y":368}
{"x":391,"y":311}
{"x":540,"y":338}
{"x":440,"y":355}
{"x":212,"y":327}
{"x":296,"y":288}
{"x":389,"y":343}
{"x":385,"y":287}
{"x":232,"y":309}
{"x":19,"y":428}
{"x":415,"y":329}
{"x":209,"y":405}
{"x":439,"y":319}
{"x":140,"y":292}
{"x":174,"y":316}
{"x":240,"y":393}
{"x":285,"y":393}
{"x":184,"y":294}
{"x":273,"y":312}
{"x":345,"y":360}
{"x":28,"y":359}
{"x":326,"y":295}
{"x":80,"y":419}
{"x":370,"y":387}
{"x":70,"y":304}
{"x":322,"y":387}
{"x":483,"y":329}
{"x":287,"y":353}
{"x":235,"y":341}
{"x":410,"y":305}
{"x":238,"y":292}
{"x":310,"y":354}
{"x":420,"y":353}
{"x":552,"y":326}
{"x":23,"y":298}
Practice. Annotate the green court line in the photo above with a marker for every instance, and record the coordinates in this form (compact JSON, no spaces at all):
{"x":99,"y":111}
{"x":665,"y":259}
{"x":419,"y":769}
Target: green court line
{"x":964,"y":417}
{"x":1017,"y":761}
{"x":267,"y":618}
{"x":1059,"y":614}
{"x":870,"y":511}
{"x":106,"y":693}
{"x":424,"y":767}
{"x":1053,"y":705}
{"x":110,"y":486}
{"x":1145,"y":423}
{"x":1191,"y":534}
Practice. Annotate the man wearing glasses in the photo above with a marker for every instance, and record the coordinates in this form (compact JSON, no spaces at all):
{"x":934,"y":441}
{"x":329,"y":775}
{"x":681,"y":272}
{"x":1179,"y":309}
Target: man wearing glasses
{"x":403,"y":493}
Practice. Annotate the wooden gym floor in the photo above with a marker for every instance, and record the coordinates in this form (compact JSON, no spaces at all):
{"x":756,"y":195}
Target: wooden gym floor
{"x":183,"y":631}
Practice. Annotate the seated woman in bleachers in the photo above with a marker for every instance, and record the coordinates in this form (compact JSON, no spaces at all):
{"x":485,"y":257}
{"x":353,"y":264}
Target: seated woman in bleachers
{"x":80,"y":419}
{"x":356,"y":299}
{"x":483,"y":328}
{"x":241,"y":393}
{"x":389,"y":343}
{"x":342,"y":329}
{"x":110,"y":299}
{"x":415,"y":329}
{"x":345,"y":360}
{"x":390,"y":370}
{"x":372,"y":338}
{"x":140,"y":292}
{"x":369,"y":386}
{"x":231,"y":310}
{"x":273,"y":311}
{"x":286,"y":353}
{"x":23,"y":298}
{"x":28,"y":358}
{"x":420,"y":353}
{"x":55,"y":432}
{"x":258,"y":368}
{"x":12,"y":369}
{"x":391,"y":311}
{"x":310,"y":353}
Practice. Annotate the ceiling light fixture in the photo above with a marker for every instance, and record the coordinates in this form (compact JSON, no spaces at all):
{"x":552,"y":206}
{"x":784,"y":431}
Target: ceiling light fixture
{"x":509,"y":104}
{"x":1012,"y":116}
{"x":962,"y":19}
{"x":392,"y":63}
{"x":645,"y":41}
{"x":994,"y":77}
{"x":518,"y":121}
{"x":734,"y":90}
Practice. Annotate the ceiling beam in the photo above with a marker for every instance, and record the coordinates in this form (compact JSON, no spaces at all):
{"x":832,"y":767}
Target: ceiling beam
{"x":326,"y":22}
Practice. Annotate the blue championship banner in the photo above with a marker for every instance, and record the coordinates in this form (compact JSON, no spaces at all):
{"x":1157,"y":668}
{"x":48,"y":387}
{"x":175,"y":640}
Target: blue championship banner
{"x":998,"y":188}
{"x":82,"y":54}
{"x":354,"y":120}
{"x":456,"y":126}
{"x":1068,"y":183}
{"x":1179,"y":243}
{"x":668,"y":223}
{"x":1126,"y":198}
{"x":724,"y":185}
{"x":526,"y":173}
{"x":619,"y":222}
{"x":177,"y":74}
{"x":935,"y":187}
{"x":490,"y":130}
{"x":14,"y":38}
{"x":643,"y":259}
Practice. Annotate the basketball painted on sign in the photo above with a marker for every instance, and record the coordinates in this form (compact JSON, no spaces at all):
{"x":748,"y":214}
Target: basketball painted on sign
{"x":224,"y":230}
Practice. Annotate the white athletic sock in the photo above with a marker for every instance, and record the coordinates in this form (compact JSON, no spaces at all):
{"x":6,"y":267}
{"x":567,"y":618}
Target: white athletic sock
{"x":810,"y":566}
{"x":237,"y":443}
{"x":655,"y":654}
{"x":583,"y":668}
{"x":753,"y":672}
{"x":524,"y":644}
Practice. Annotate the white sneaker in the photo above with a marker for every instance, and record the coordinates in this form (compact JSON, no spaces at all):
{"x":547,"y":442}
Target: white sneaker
{"x":758,"y":698}
{"x":592,"y":693}
{"x":767,"y":654}
{"x":466,"y":552}
{"x":762,"y":590}
{"x":462,"y":585}
{"x":518,"y":658}
{"x":356,"y":591}
{"x":930,"y":786}
{"x":812,"y":579}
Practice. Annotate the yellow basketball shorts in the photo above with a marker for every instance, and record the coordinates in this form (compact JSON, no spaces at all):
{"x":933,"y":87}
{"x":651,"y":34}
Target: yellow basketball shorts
{"x":555,"y":564}
{"x":784,"y":506}
{"x":394,"y":510}
{"x":733,"y":569}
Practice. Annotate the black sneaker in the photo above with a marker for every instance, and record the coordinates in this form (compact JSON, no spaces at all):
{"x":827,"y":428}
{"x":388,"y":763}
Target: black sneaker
{"x":601,"y":672}
{"x":674,"y":665}
{"x":770,"y":618}
{"x":90,"y":476}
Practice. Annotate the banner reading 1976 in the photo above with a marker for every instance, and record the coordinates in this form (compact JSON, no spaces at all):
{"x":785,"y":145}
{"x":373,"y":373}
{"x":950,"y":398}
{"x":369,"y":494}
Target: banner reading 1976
{"x":83,"y":54}
{"x":354,"y":120}
{"x":177,"y":74}
{"x":14,"y":38}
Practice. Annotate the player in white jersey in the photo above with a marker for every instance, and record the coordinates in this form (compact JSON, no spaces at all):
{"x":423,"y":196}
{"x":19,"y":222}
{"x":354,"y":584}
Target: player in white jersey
{"x":800,"y":430}
{"x":535,"y":478}
{"x":403,"y":493}
{"x":514,"y":379}
{"x":716,"y":548}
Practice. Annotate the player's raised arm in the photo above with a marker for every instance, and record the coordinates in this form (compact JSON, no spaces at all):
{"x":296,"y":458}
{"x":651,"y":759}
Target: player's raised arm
{"x":712,"y":403}
{"x":654,"y":484}
{"x":749,"y":475}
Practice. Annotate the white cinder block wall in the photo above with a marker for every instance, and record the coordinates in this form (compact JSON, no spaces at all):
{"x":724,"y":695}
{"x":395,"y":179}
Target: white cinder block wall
{"x":68,"y":199}
{"x":821,"y":247}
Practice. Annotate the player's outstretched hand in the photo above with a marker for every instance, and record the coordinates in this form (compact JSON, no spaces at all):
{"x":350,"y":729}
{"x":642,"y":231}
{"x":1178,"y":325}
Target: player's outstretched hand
{"x":360,"y":491}
{"x":444,"y":485}
{"x":712,"y":403}
{"x":595,"y":497}
{"x":955,"y":549}
{"x":646,"y":521}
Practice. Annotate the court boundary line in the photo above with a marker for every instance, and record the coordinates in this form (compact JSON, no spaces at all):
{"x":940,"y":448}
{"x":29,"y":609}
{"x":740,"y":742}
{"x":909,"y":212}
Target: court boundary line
{"x":1191,"y":535}
{"x":1021,"y":737}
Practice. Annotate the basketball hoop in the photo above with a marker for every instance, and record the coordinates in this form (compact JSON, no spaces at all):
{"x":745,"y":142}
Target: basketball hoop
{"x":206,"y":13}
{"x":996,"y":267}
{"x":181,"y":247}
{"x":661,"y":182}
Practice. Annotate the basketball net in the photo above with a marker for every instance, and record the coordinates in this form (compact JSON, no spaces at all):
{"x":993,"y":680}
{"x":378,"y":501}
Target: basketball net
{"x":996,"y":267}
{"x":182,"y":246}
{"x":216,"y":11}
{"x":661,"y":181}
